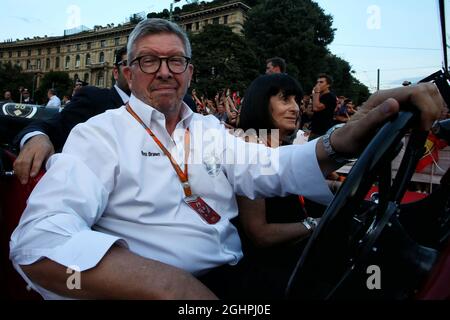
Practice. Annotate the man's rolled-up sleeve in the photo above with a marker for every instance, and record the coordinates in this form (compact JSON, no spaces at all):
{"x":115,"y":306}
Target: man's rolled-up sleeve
{"x":58,"y":226}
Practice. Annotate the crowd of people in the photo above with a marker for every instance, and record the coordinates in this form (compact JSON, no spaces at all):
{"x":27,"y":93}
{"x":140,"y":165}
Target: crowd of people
{"x":318,"y":111}
{"x":143,"y":213}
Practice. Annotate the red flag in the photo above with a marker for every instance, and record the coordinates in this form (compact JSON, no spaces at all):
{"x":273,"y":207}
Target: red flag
{"x":432,"y":147}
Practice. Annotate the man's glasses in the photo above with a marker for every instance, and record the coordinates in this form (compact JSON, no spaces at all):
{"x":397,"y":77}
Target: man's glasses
{"x":151,"y":64}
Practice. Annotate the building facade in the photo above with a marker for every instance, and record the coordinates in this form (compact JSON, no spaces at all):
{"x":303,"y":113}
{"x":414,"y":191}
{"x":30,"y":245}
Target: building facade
{"x":232,"y":14}
{"x":89,"y":55}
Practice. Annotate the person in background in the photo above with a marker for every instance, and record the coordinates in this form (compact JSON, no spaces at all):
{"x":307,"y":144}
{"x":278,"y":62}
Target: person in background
{"x":324,"y":104}
{"x":275,"y":65}
{"x":78,"y":85}
{"x":7,"y":97}
{"x":26,"y":97}
{"x":53,"y":100}
{"x":65,"y":102}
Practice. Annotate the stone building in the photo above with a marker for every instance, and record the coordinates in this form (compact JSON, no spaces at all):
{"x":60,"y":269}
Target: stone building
{"x":89,"y":54}
{"x":232,"y":14}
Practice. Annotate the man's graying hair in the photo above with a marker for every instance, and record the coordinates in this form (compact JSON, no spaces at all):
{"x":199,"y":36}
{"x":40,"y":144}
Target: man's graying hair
{"x":156,"y":26}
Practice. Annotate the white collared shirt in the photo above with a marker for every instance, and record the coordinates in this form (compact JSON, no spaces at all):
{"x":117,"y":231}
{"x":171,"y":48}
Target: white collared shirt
{"x":122,"y":94}
{"x":112,"y":184}
{"x":54,"y":102}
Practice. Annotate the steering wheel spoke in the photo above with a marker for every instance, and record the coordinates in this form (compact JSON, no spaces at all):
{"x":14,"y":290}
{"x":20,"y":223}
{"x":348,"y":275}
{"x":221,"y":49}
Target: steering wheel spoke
{"x":345,"y":241}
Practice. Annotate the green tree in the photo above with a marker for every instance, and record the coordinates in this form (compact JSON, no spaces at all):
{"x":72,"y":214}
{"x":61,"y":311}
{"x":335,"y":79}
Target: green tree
{"x":222,"y":59}
{"x":58,"y":80}
{"x":345,"y":83}
{"x":12,"y":78}
{"x":299,"y":31}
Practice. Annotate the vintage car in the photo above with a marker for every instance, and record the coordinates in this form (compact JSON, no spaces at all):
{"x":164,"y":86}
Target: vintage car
{"x":358,"y":241}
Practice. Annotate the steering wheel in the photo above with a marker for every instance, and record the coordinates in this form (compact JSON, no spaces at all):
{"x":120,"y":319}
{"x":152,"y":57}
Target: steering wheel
{"x":353,"y":232}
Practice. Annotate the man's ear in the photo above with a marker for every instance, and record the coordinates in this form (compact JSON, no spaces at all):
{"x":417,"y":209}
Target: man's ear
{"x":127,"y":74}
{"x":115,"y":73}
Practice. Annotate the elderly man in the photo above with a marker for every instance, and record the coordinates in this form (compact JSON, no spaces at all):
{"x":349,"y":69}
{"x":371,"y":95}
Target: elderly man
{"x":137,"y":205}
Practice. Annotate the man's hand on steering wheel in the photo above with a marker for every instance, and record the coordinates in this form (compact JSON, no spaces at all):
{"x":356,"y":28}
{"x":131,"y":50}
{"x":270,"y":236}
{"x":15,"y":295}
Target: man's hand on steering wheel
{"x":33,"y":155}
{"x":352,"y":138}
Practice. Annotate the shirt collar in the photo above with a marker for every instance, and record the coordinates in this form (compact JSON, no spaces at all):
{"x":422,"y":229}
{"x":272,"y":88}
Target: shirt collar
{"x":122,"y":94}
{"x":148,"y":114}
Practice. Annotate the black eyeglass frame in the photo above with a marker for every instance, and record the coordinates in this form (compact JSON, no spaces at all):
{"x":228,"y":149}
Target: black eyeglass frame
{"x":138,"y":59}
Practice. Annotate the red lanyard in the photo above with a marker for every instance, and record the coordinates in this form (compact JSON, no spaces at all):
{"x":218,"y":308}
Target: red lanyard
{"x":184,"y":178}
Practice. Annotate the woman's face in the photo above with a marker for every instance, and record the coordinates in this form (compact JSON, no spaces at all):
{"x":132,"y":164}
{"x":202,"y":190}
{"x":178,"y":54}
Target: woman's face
{"x":285,"y":113}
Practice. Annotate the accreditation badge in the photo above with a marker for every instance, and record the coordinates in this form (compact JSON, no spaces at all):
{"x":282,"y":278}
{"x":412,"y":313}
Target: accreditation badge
{"x":203,"y":209}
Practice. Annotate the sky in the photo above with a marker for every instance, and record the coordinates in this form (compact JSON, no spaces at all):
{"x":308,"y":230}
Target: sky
{"x":401,"y":37}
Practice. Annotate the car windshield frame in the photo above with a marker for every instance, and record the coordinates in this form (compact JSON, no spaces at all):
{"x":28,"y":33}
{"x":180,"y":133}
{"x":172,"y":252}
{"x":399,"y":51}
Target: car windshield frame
{"x":445,"y":19}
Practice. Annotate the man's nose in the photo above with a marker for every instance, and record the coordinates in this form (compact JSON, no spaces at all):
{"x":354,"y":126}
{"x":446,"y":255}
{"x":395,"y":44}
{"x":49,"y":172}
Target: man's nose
{"x":164,"y":71}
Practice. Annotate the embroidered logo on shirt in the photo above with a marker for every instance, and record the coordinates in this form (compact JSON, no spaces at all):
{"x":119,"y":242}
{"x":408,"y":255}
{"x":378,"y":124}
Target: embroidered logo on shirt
{"x":150,"y":154}
{"x":212,"y":165}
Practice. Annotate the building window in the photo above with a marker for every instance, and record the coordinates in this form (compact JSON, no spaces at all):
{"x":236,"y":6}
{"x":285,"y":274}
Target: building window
{"x":78,"y":46}
{"x":68,"y":48}
{"x":88,"y":59}
{"x":18,"y":64}
{"x":101,"y":79}
{"x":28,"y":65}
{"x":86,"y":77}
{"x":76,"y":77}
{"x":39,"y":52}
{"x":67,"y":65}
{"x":88,"y":46}
{"x":102,"y":43}
{"x":38,"y":64}
{"x":47,"y":64}
{"x":77,"y":61}
{"x":29,"y":53}
{"x":101,"y":58}
{"x":197,"y":26}
{"x":49,"y":50}
{"x":225,"y":20}
{"x":19,"y":53}
{"x":1,"y":55}
{"x":58,"y":49}
{"x":116,"y":41}
{"x":216,"y":20}
{"x":10,"y":54}
{"x":57,"y":63}
{"x":189,"y":27}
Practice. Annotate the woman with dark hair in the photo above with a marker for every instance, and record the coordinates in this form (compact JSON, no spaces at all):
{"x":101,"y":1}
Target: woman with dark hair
{"x":271,"y":102}
{"x":272,"y":229}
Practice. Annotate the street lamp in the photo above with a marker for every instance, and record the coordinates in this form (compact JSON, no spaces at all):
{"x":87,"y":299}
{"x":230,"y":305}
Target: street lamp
{"x":171,"y":9}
